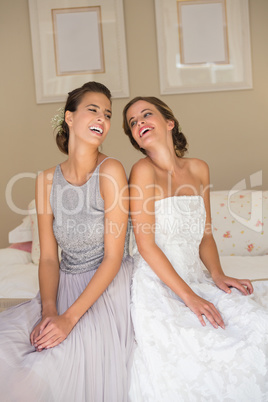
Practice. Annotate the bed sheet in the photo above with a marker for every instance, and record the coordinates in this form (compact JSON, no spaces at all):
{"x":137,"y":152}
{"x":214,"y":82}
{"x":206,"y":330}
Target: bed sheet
{"x":242,"y":267}
{"x":19,"y":276}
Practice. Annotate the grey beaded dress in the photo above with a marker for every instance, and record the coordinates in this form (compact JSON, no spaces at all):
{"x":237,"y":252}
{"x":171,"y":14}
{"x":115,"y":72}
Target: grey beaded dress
{"x":93,"y":362}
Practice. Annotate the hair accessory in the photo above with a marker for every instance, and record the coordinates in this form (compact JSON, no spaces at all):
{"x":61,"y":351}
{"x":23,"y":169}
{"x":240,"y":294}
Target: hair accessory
{"x":58,"y":119}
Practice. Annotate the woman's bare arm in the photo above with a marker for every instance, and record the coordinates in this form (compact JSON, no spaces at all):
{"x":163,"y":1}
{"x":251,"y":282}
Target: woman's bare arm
{"x":49,"y":261}
{"x":208,"y":249}
{"x":142,"y":200}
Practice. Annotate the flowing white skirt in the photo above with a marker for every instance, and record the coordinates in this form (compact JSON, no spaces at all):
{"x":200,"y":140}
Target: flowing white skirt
{"x":179,"y":360}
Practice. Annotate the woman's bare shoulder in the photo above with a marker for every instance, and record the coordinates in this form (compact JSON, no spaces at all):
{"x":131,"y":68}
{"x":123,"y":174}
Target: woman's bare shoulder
{"x":196,"y":163}
{"x":112,"y":166}
{"x":142,"y":170}
{"x":197,"y":166}
{"x":46,"y":176}
{"x":43,"y":188}
{"x":144,"y":164}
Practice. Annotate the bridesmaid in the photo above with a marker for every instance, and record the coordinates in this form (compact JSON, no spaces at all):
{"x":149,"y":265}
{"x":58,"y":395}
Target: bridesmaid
{"x":73,"y":341}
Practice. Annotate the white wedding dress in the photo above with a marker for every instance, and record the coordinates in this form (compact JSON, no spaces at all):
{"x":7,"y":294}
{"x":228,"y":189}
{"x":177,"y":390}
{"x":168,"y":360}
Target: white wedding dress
{"x":176,"y":358}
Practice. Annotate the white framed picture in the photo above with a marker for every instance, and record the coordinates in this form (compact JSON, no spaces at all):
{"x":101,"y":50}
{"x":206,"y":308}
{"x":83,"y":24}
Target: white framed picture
{"x":74,"y":30}
{"x":72,"y":45}
{"x":203,"y":45}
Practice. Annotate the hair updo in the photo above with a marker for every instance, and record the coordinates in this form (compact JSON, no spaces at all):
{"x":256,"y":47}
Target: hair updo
{"x":73,"y":101}
{"x":179,"y":139}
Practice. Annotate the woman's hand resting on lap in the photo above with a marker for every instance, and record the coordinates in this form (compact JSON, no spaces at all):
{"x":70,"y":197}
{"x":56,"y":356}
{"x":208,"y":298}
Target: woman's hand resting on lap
{"x":201,"y":307}
{"x":51,"y":331}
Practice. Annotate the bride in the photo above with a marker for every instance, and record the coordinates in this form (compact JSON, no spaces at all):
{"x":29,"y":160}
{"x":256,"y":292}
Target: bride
{"x":201,"y":335}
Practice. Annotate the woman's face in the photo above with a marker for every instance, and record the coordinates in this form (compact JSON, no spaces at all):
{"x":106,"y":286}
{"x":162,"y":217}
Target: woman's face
{"x":147,"y":124}
{"x":92,"y":119}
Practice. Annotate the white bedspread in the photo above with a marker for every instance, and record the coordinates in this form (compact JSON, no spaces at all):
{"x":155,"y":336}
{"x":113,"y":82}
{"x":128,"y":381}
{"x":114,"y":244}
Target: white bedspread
{"x":253,"y":268}
{"x":19,"y":276}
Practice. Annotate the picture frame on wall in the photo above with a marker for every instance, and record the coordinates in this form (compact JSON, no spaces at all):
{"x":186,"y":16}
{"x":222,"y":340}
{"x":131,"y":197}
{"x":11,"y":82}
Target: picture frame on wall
{"x":74,"y":30}
{"x":72,"y":45}
{"x":203,"y":45}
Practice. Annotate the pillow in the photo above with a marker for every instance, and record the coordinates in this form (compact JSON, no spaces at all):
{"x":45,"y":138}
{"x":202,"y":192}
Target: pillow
{"x":240,"y":222}
{"x":9,"y":256}
{"x":21,"y":233}
{"x":26,"y":246}
{"x":19,"y":281}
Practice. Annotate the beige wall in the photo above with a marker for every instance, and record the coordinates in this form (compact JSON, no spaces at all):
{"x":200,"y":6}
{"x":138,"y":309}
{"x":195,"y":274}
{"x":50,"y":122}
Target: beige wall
{"x":227,"y":129}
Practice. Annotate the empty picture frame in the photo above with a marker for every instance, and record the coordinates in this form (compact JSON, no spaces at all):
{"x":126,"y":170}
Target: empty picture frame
{"x":60,"y":64}
{"x":74,"y":30}
{"x":203,"y":32}
{"x":203,"y":45}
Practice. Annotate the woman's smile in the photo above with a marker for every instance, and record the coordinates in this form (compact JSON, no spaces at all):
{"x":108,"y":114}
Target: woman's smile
{"x":144,"y":130}
{"x":97,"y":129}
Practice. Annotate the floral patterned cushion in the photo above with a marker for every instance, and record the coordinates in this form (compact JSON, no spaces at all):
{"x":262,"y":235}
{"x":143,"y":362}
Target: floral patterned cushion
{"x":240,"y":222}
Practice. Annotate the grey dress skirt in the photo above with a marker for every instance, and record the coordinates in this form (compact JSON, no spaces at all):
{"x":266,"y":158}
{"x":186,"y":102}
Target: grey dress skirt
{"x":93,"y":363}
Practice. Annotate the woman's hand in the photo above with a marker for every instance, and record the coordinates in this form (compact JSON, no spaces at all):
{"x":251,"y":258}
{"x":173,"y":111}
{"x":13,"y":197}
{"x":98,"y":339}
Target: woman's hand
{"x":38,"y":329}
{"x":202,"y":307}
{"x":51,"y":331}
{"x":225,"y":283}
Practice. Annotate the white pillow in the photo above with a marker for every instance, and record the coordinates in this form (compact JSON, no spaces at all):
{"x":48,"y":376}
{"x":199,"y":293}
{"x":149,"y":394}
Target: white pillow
{"x":10,"y":256}
{"x":19,"y":281}
{"x":240,"y":222}
{"x":21,"y":233}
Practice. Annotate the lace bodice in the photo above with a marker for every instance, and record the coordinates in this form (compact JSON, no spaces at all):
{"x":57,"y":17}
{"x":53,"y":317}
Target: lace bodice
{"x":179,"y":228}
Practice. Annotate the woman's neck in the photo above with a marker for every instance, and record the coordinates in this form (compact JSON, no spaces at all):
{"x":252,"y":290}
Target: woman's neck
{"x":164,"y":158}
{"x":80,"y":165}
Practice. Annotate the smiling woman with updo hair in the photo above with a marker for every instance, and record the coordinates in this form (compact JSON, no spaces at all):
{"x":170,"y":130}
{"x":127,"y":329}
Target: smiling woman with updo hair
{"x":73,"y":341}
{"x":73,"y":100}
{"x":179,"y":140}
{"x":195,"y":327}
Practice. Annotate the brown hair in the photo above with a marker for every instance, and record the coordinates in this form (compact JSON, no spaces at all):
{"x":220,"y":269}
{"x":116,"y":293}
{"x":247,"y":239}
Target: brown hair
{"x":73,"y":101}
{"x":179,"y":139}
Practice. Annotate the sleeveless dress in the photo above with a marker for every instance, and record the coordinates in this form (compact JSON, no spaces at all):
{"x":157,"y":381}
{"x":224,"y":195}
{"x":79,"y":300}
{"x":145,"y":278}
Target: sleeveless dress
{"x":177,"y":359}
{"x":92,"y":363}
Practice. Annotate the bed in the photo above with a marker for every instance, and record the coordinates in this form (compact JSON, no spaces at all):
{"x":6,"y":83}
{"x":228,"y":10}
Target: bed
{"x":19,"y":262}
{"x":18,"y":277}
{"x":240,"y":226}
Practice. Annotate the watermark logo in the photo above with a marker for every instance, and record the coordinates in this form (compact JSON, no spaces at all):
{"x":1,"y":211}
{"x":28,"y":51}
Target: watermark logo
{"x":256,"y":202}
{"x":9,"y":190}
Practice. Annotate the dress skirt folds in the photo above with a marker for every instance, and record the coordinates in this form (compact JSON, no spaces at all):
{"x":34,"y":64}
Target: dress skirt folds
{"x":176,"y":358}
{"x":90,"y":365}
